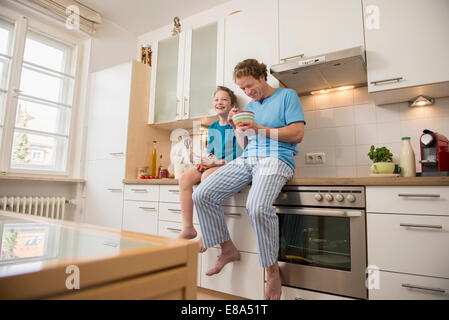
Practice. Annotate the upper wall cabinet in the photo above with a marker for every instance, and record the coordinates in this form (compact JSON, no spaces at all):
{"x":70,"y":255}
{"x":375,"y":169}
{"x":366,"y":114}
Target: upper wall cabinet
{"x":186,"y":70}
{"x":407,"y":49}
{"x":251,"y":33}
{"x":315,"y":27}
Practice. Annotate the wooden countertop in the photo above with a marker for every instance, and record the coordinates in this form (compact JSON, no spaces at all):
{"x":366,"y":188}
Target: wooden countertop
{"x":361,"y":181}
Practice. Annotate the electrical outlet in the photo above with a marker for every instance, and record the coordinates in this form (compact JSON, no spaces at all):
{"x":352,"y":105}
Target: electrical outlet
{"x":310,"y":159}
{"x":315,"y":158}
{"x":320,"y":158}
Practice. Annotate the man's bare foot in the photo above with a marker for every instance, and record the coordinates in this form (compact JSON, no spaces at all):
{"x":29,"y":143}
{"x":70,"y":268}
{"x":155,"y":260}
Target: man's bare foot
{"x":228,"y":254}
{"x":187,"y":233}
{"x":202,"y":248}
{"x":273,"y":288}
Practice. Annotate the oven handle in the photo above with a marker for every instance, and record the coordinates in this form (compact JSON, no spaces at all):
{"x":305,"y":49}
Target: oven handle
{"x":320,"y":212}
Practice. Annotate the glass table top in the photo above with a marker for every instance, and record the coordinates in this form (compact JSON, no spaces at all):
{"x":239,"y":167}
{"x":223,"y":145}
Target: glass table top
{"x":25,"y":244}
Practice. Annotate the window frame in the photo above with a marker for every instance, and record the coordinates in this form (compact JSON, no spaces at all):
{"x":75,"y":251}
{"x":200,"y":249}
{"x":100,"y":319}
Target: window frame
{"x":79,"y":65}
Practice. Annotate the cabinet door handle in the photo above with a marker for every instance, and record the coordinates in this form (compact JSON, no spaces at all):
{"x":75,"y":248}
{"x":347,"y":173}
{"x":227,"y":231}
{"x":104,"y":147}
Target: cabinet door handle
{"x":147,"y":208}
{"x":114,"y":189}
{"x":412,"y":286}
{"x":430,"y":226}
{"x":233,"y":214}
{"x":139,"y":190}
{"x":116,"y":153}
{"x":375,"y":83}
{"x":173,"y":190}
{"x":174,"y":229}
{"x":184,"y":106}
{"x":175,"y":210}
{"x":413,"y":195}
{"x":293,"y":57}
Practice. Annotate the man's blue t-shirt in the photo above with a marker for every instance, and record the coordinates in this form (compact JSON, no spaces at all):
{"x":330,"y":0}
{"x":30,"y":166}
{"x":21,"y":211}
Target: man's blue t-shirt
{"x":222,"y":142}
{"x":276,"y":111}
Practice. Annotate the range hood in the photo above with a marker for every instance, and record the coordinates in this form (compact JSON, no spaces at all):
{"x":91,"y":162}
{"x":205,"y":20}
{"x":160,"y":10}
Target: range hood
{"x":326,"y":71}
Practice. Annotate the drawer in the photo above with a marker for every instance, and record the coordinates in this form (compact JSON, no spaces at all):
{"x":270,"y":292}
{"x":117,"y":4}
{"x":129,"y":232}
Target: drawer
{"x":173,"y":229}
{"x":398,"y":243}
{"x":169,"y":193}
{"x":238,"y":199}
{"x":412,"y":200}
{"x":170,"y":211}
{"x":241,"y":229}
{"x":242,"y":278}
{"x":289,"y":293}
{"x":140,"y":216}
{"x":142,"y":192}
{"x":398,"y":286}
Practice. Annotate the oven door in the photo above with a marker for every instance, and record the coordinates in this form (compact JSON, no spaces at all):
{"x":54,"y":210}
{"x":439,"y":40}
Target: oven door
{"x":323,"y":249}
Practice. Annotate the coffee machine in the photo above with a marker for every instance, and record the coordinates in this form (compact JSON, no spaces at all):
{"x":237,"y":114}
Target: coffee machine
{"x":434,"y":154}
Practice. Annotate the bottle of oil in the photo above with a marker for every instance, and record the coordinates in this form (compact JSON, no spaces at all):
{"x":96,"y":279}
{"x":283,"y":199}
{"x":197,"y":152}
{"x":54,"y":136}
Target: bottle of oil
{"x":153,"y":160}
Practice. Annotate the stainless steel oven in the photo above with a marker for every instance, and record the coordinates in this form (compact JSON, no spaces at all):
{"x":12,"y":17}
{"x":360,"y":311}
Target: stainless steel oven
{"x":322,"y":235}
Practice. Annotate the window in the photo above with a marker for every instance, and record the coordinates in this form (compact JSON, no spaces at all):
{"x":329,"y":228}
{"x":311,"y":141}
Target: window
{"x":36,"y":108}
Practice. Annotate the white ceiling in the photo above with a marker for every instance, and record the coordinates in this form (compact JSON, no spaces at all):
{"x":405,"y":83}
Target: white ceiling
{"x":141,"y":16}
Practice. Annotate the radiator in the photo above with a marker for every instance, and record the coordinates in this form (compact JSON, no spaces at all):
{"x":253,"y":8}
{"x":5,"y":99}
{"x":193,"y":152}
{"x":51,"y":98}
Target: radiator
{"x":50,"y":207}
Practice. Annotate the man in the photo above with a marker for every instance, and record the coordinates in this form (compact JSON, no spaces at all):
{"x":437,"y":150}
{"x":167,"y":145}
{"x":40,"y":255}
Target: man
{"x":267,"y":161}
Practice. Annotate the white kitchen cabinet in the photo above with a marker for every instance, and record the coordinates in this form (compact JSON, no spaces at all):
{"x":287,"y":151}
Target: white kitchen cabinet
{"x":140,"y":216}
{"x":408,"y":241}
{"x":316,"y":27}
{"x":433,"y":200}
{"x":244,"y":278}
{"x":415,"y":244}
{"x":142,"y":192}
{"x":400,"y":286}
{"x":251,"y":33}
{"x":110,"y":101}
{"x":406,"y":49}
{"x":104,"y":193}
{"x":110,"y":91}
{"x":186,"y":70}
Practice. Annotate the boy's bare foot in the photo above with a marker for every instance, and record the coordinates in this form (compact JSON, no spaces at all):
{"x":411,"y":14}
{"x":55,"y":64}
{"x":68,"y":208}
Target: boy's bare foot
{"x":228,"y":254}
{"x":187,"y":233}
{"x":273,"y":288}
{"x":202,"y":248}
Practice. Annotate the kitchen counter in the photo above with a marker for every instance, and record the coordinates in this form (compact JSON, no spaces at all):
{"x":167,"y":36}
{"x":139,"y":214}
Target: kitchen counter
{"x":362,"y":181}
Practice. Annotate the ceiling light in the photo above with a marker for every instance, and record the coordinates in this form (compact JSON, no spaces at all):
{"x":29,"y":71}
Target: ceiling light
{"x":421,"y":101}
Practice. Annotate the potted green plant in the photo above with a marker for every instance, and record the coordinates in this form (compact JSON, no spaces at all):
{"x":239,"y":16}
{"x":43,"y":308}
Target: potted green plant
{"x":382,"y":160}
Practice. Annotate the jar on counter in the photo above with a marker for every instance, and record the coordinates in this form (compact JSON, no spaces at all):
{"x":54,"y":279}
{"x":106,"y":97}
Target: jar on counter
{"x":143,"y":171}
{"x":407,"y":159}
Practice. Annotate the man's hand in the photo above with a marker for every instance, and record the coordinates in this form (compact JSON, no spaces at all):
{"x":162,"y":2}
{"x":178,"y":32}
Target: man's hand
{"x":249,"y":128}
{"x":230,"y":115}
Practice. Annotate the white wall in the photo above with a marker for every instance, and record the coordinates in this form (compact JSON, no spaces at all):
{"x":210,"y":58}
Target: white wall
{"x":111,"y":45}
{"x":344,"y":125}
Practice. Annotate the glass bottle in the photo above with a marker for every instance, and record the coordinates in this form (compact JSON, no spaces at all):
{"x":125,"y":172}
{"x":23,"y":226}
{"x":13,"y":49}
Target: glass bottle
{"x":153,"y":160}
{"x":407,"y":159}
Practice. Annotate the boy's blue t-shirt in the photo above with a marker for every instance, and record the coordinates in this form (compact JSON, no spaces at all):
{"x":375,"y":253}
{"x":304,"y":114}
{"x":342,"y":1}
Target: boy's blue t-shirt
{"x":222,"y":142}
{"x":276,"y":111}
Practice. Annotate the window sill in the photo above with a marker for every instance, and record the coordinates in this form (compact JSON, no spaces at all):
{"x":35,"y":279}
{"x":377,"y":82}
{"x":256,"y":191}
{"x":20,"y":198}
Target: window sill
{"x":40,"y":178}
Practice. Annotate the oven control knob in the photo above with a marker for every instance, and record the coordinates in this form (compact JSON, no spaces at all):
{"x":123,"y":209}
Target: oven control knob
{"x":329,"y":197}
{"x":339,"y":198}
{"x":350,"y":198}
{"x":318,"y":197}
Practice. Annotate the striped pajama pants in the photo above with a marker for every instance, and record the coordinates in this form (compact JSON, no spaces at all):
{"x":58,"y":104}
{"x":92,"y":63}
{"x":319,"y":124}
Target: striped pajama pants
{"x":268,"y":175}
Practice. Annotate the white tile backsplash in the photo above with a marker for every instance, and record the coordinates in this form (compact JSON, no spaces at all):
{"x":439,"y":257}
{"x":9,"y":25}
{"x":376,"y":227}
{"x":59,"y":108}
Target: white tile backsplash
{"x":345,"y":124}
